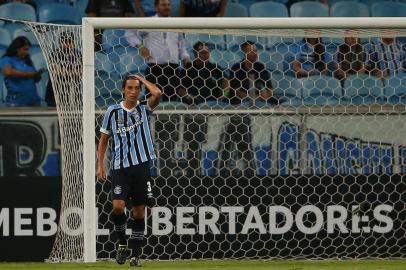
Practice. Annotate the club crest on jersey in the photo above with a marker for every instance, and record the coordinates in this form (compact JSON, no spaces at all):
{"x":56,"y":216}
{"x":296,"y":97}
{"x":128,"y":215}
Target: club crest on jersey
{"x":120,"y":121}
{"x":117,"y":190}
{"x":136,"y":116}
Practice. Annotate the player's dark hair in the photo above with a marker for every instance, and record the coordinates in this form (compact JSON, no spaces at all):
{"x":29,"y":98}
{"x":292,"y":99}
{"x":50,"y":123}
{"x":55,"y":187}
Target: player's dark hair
{"x":246,"y":44}
{"x":16,"y":44}
{"x":197,"y":45}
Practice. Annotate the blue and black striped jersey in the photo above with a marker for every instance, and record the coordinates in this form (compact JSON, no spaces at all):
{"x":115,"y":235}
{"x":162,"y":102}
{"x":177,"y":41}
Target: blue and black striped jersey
{"x":129,"y":128}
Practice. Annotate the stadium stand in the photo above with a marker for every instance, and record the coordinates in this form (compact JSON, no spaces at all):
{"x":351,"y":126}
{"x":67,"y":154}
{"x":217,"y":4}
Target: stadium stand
{"x":236,"y":10}
{"x":268,"y":9}
{"x":58,"y":13}
{"x":388,"y":9}
{"x":5,"y":39}
{"x":349,"y":9}
{"x":309,"y":9}
{"x":18,"y":11}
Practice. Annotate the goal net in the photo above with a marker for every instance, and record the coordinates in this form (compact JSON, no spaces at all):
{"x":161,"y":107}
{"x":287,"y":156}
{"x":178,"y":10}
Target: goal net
{"x":290,"y":144}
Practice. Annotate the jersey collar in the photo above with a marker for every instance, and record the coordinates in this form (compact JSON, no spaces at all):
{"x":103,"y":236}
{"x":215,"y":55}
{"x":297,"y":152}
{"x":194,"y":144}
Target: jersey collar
{"x":129,"y":110}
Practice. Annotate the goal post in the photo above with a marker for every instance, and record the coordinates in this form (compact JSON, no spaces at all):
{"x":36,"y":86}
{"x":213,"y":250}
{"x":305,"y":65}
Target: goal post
{"x":304,"y":183}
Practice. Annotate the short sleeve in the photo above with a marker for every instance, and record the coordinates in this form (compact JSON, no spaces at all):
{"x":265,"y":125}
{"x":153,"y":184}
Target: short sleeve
{"x":5,"y":61}
{"x":106,"y":125}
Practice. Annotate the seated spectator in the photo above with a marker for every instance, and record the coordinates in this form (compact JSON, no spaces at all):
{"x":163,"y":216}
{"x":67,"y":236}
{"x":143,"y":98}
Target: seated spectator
{"x":386,"y":57}
{"x":145,"y":8}
{"x":107,"y":8}
{"x":249,"y":79}
{"x":202,"y":8}
{"x":202,"y":80}
{"x":309,"y":58}
{"x":66,"y":69}
{"x":350,"y":58}
{"x":20,"y":75}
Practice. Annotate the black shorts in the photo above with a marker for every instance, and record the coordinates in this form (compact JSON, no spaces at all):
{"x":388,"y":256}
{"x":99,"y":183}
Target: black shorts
{"x":133,"y":183}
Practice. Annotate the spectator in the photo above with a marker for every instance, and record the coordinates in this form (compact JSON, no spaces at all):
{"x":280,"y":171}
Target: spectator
{"x":162,"y":51}
{"x":145,"y":8}
{"x":250,"y":78}
{"x":350,"y":58}
{"x":386,"y":57}
{"x":202,"y":8}
{"x":20,"y":75}
{"x":107,"y":8}
{"x":309,"y":58}
{"x":203,"y":81}
{"x":66,"y":69}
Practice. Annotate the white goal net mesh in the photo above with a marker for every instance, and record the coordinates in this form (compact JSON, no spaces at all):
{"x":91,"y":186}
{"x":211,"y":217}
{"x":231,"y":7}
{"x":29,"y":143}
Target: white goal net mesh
{"x":284,"y":144}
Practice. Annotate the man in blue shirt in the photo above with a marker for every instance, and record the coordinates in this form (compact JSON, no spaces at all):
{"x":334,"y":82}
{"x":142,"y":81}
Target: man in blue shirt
{"x":309,"y":58}
{"x":132,"y":148}
{"x":386,"y":57}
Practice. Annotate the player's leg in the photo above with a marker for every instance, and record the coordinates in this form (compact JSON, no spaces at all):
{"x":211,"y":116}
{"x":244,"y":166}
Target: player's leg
{"x":120,"y":191}
{"x":136,"y":240}
{"x":142,"y":194}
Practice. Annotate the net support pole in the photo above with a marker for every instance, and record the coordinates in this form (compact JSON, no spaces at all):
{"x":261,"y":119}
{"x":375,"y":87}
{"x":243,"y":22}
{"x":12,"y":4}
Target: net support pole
{"x":89,"y":149}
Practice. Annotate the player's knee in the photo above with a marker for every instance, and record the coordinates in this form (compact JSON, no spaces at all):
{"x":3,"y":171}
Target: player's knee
{"x":118,"y":207}
{"x":138,"y":212}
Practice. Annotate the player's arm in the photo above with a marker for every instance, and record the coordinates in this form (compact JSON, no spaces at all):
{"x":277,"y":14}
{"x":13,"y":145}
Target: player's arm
{"x":101,"y":151}
{"x":154,"y":90}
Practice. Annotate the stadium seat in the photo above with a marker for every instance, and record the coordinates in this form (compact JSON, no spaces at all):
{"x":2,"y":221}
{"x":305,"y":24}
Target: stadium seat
{"x":175,"y":6}
{"x":40,"y":3}
{"x":349,"y":9}
{"x":268,"y":9}
{"x":395,"y":89}
{"x":58,"y":13}
{"x":224,"y":59}
{"x":81,"y":6}
{"x":321,"y":90}
{"x":31,"y":37}
{"x":309,"y":9}
{"x":235,"y":10}
{"x":39,"y":62}
{"x":363,"y":89}
{"x":18,"y":11}
{"x":131,"y":63}
{"x":5,"y":38}
{"x":388,"y":9}
{"x":333,"y":2}
{"x":287,"y":90}
{"x":107,"y":81}
{"x":114,"y":40}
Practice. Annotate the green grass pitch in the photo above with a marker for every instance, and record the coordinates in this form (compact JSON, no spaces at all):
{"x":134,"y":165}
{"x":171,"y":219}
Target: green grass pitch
{"x":222,"y":265}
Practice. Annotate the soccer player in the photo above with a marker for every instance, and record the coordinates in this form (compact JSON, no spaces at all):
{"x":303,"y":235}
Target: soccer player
{"x":132,"y":149}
